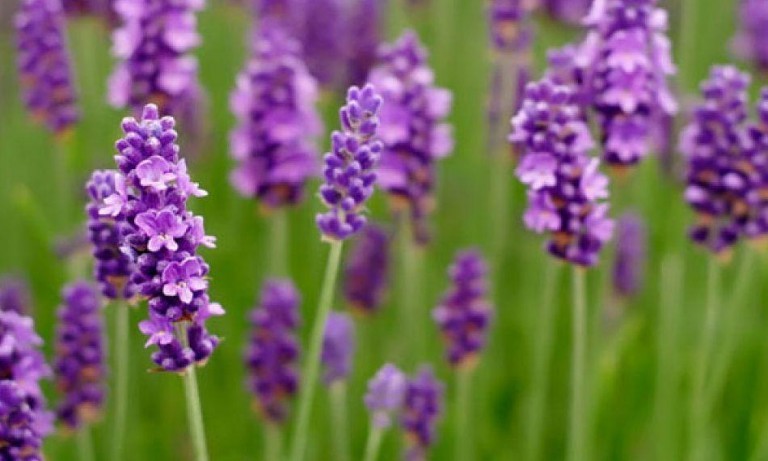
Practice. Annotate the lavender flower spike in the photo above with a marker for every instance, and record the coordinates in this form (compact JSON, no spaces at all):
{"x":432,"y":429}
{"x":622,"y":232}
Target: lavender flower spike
{"x":366,"y":272}
{"x":349,"y":167}
{"x":15,"y":296}
{"x":510,"y":31}
{"x":422,"y":406}
{"x":565,"y":187}
{"x":338,"y":347}
{"x":384,"y":398}
{"x":79,"y":364}
{"x":629,"y":265}
{"x":413,"y":128}
{"x":274,"y":102}
{"x":44,"y":64}
{"x":163,"y":238}
{"x":154,"y":47}
{"x":465,"y":313}
{"x":273,"y":350}
{"x":751,"y":41}
{"x":112,"y":267}
{"x":567,"y":11}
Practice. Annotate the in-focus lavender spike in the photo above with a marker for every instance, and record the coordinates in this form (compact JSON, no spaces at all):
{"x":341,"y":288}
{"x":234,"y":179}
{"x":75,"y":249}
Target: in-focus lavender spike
{"x":273,"y":350}
{"x":274,"y":102}
{"x":384,"y":398}
{"x":44,"y":64}
{"x":422,"y":407}
{"x":79,"y":364}
{"x":464,"y":314}
{"x":366,"y":274}
{"x":566,"y":188}
{"x":15,"y":295}
{"x":163,"y":238}
{"x":413,"y":128}
{"x":154,"y":48}
{"x":338,"y":347}
{"x":349,"y":167}
{"x":112,"y":267}
{"x":629,"y":265}
{"x":751,"y":40}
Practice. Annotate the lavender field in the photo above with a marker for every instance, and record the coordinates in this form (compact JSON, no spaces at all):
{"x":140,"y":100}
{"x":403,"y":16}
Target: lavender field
{"x":383,"y":229}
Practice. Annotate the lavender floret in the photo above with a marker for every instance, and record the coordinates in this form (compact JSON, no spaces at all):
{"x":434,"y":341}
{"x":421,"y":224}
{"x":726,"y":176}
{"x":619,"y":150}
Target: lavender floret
{"x":384,"y":398}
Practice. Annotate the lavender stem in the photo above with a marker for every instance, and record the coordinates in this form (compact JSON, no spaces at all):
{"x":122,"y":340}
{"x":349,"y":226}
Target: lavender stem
{"x":194,"y":411}
{"x":340,"y":422}
{"x":374,"y":443}
{"x":311,"y":369}
{"x":273,"y":438}
{"x":85,"y":444}
{"x":279,"y":242}
{"x":463,"y":426}
{"x":578,"y":429}
{"x":409,"y":300}
{"x":122,"y":367}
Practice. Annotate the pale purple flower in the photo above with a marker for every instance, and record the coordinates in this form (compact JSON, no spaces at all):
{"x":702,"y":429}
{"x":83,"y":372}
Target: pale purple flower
{"x":385,"y":394}
{"x":338,"y":347}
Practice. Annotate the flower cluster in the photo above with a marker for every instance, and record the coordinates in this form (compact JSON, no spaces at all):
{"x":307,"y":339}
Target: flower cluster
{"x":112,"y":268}
{"x":14,"y":296}
{"x":464,"y":313}
{"x":412,"y":128}
{"x":79,"y":364}
{"x":338,"y":347}
{"x":153,"y":46}
{"x":629,"y":264}
{"x":163,"y":237}
{"x":273,"y":350}
{"x":384,"y":398}
{"x":274,"y":102}
{"x":44,"y":66}
{"x":366,"y":272}
{"x":627,"y":61}
{"x":566,"y":187}
{"x":349,"y":167}
{"x":24,"y":420}
{"x":509,"y":27}
{"x":723,"y":164}
{"x":751,"y":41}
{"x":422,"y":405}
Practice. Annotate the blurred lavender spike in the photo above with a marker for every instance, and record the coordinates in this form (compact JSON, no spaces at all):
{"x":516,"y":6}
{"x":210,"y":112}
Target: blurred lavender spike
{"x":422,"y":407}
{"x":338,"y":347}
{"x":629,"y":265}
{"x":366,"y":274}
{"x":751,"y":40}
{"x":15,"y":295}
{"x":567,"y":11}
{"x":384,"y":398}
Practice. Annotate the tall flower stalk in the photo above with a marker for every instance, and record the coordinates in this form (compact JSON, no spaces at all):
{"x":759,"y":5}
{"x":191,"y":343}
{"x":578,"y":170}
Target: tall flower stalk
{"x":337,"y":355}
{"x":349,"y":182}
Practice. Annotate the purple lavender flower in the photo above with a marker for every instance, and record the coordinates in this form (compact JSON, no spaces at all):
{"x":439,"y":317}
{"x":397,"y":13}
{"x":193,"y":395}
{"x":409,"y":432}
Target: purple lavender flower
{"x":716,"y":145}
{"x":15,"y":296}
{"x":412,"y":128}
{"x":322,"y":34}
{"x":464,"y":314}
{"x":79,"y":363}
{"x":274,"y":102}
{"x":628,"y":267}
{"x":349,"y":167}
{"x":163,"y":237}
{"x":751,"y":41}
{"x":273,"y":350}
{"x":626,"y":60}
{"x":44,"y":66}
{"x":422,"y":406}
{"x":509,"y":27}
{"x":367,"y":271}
{"x":566,"y":188}
{"x":112,"y":268}
{"x":384,"y":398}
{"x":87,"y":7}
{"x":364,"y":31}
{"x":568,"y":11}
{"x":21,"y":428}
{"x":154,"y":46}
{"x":338,"y":347}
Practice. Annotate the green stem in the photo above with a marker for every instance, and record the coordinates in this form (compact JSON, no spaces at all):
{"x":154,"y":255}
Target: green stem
{"x":541,"y":361}
{"x":463,"y":434}
{"x":699,"y":410}
{"x":63,"y":179}
{"x":273,"y":439}
{"x":85,"y":444}
{"x":122,"y":367}
{"x":578,"y":421}
{"x":374,"y":443}
{"x":340,"y":421}
{"x":311,"y":367}
{"x":279,"y":243}
{"x":687,"y":40}
{"x":410,"y":294}
{"x":194,"y":411}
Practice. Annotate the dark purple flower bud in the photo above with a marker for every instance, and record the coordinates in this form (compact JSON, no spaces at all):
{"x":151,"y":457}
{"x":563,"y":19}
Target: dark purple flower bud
{"x":15,"y":296}
{"x":384,"y":398}
{"x":464,"y":314}
{"x":338,"y":347}
{"x":367,"y":271}
{"x":162,"y":238}
{"x":413,"y":128}
{"x":273,"y":350}
{"x":566,"y":187}
{"x":154,"y":47}
{"x":567,"y":11}
{"x":274,"y":102}
{"x":79,"y":364}
{"x":509,"y":26}
{"x":365,"y":31}
{"x":21,"y":429}
{"x":349,"y":167}
{"x":44,"y":64}
{"x":751,"y":41}
{"x":112,"y":267}
{"x":422,"y":406}
{"x":629,"y":265}
{"x":720,"y":171}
